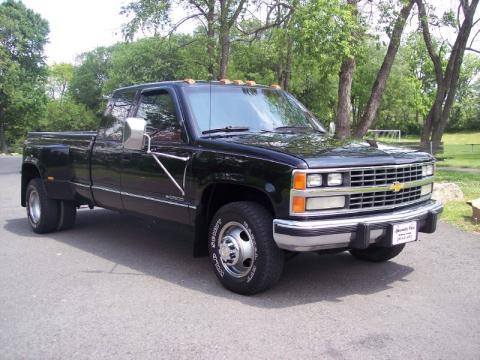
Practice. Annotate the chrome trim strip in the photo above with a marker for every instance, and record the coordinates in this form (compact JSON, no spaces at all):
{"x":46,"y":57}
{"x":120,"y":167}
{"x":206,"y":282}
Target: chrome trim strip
{"x":316,"y":242}
{"x":143,"y":197}
{"x":81,"y":185}
{"x":105,"y":189}
{"x":158,"y":200}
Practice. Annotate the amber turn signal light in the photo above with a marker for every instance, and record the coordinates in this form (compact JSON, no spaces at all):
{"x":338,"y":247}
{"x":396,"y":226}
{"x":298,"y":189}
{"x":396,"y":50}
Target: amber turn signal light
{"x":300,"y":181}
{"x":298,"y":204}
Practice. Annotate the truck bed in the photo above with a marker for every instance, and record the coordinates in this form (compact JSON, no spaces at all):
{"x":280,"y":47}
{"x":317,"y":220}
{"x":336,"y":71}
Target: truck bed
{"x":65,"y":156}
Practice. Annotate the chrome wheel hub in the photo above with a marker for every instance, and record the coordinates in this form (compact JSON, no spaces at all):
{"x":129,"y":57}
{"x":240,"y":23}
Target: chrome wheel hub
{"x":236,"y":249}
{"x":34,"y":208}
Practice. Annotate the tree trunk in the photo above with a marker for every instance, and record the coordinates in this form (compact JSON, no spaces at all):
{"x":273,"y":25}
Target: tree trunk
{"x":3,"y":136}
{"x":344,"y":104}
{"x":382,"y":76}
{"x":211,"y":39}
{"x":343,"y":115}
{"x":224,"y":53}
{"x":287,"y":72}
{"x":447,"y":81}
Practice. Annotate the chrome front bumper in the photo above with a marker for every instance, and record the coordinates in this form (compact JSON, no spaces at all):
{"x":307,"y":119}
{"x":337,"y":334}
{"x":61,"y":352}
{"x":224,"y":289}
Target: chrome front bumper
{"x":351,"y":232}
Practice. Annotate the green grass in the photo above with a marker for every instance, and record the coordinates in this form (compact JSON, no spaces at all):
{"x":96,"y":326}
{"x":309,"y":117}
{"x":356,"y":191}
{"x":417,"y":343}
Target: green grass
{"x":457,"y":152}
{"x":458,"y":155}
{"x":462,"y":138}
{"x":458,"y":212}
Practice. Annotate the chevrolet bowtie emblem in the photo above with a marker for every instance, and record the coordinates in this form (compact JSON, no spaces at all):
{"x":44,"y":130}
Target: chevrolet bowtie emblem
{"x":397,"y":186}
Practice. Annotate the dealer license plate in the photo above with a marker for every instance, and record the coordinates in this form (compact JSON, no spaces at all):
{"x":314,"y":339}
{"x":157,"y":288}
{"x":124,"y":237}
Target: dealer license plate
{"x":404,"y":232}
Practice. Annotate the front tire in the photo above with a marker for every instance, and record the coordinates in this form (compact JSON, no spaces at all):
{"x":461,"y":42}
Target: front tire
{"x":377,"y":253}
{"x":244,"y":255}
{"x":42,"y":211}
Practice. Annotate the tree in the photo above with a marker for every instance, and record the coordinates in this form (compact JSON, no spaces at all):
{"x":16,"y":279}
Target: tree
{"x":156,"y":59}
{"x":378,"y":87}
{"x":344,"y":103}
{"x":59,"y":77}
{"x":219,"y":18}
{"x":23,"y":34}
{"x":446,"y":77}
{"x":67,"y":115}
{"x":88,"y":79}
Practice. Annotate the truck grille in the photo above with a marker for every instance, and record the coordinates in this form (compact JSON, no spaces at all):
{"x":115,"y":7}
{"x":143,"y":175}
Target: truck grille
{"x":385,"y":175}
{"x":384,"y":198}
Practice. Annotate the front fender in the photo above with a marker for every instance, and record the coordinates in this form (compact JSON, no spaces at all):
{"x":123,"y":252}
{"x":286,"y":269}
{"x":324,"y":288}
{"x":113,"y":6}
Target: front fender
{"x":270,"y":177}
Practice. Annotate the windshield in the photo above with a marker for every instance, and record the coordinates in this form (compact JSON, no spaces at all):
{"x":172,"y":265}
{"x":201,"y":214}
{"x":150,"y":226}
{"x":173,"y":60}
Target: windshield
{"x":247,"y":108}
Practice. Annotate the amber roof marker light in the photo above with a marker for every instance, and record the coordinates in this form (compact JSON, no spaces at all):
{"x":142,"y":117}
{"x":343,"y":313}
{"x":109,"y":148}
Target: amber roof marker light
{"x":238,"y":82}
{"x":189,"y":81}
{"x":275,"y":86}
{"x":250,"y":83}
{"x":225,"y":81}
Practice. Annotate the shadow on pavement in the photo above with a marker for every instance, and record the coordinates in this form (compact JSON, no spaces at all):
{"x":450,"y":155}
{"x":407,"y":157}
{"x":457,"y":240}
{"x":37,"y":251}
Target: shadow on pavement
{"x":150,"y":249}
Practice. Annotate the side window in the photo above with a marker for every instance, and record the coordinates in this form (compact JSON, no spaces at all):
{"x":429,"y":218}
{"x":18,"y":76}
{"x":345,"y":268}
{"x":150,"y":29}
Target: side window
{"x":159,"y":112}
{"x":117,"y":111}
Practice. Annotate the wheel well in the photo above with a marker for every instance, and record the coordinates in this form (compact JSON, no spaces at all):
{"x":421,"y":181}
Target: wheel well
{"x":213,"y":198}
{"x":29,"y":172}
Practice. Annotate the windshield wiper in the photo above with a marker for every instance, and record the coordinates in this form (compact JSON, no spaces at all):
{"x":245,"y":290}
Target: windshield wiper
{"x":226,"y":129}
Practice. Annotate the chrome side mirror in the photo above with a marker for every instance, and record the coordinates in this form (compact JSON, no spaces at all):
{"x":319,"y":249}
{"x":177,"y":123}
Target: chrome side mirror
{"x":133,"y":138}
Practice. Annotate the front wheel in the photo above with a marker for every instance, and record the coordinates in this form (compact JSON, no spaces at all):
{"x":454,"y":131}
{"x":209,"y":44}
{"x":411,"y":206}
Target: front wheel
{"x":377,"y":253}
{"x":244,"y":255}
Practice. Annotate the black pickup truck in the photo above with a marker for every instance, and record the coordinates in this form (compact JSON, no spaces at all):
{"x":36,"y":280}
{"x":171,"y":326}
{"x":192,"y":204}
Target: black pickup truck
{"x":246,"y":168}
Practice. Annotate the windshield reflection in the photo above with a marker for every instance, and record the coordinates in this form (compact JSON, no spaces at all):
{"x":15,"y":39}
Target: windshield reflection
{"x":255,"y":108}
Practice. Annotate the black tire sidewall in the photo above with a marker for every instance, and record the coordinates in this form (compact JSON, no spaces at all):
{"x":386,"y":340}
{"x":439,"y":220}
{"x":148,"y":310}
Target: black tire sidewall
{"x":49,"y":208}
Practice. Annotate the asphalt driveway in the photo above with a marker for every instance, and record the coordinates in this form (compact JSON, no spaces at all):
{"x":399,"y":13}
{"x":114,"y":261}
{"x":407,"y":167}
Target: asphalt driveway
{"x":119,"y":287}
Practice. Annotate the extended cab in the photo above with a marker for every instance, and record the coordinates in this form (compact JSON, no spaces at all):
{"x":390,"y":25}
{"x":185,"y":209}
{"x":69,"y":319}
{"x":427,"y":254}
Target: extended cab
{"x":246,"y":168}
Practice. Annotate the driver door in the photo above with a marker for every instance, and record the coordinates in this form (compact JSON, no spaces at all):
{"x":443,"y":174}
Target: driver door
{"x":156,"y":184}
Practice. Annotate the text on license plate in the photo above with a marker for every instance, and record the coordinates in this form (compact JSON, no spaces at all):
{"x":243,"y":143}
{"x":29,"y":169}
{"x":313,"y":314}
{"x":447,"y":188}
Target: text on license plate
{"x":404,"y":232}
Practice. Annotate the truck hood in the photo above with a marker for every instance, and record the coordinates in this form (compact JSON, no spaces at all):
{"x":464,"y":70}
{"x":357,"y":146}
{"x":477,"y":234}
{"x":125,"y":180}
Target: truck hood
{"x":319,"y":150}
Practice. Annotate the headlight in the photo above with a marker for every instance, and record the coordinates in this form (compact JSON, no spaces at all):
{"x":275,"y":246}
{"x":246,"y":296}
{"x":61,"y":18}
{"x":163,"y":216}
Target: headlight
{"x":314,"y":180}
{"x":325,"y":202}
{"x":427,"y":170}
{"x":334,"y":179}
{"x":426,"y":189}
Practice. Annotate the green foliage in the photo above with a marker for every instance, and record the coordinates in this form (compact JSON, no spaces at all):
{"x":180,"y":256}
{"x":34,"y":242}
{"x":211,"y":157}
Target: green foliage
{"x":59,"y":78}
{"x":147,"y":16}
{"x":88,"y":79}
{"x":67,"y":115}
{"x":465,"y":113}
{"x":23,"y":35}
{"x":156,"y":59}
{"x":319,"y":34}
{"x":326,"y":30}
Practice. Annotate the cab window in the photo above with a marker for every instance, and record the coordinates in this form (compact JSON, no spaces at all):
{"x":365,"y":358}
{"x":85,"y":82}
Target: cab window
{"x":118,"y":108}
{"x":159,"y":112}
